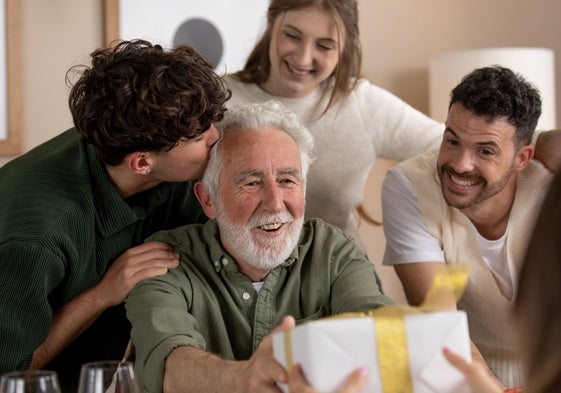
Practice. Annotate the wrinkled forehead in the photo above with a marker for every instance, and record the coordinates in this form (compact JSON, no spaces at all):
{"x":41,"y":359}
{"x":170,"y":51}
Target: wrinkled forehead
{"x":260,"y":148}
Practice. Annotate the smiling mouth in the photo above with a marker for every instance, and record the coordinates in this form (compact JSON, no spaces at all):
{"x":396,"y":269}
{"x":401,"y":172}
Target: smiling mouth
{"x":271,"y":227}
{"x":297,"y":71}
{"x":463,"y":182}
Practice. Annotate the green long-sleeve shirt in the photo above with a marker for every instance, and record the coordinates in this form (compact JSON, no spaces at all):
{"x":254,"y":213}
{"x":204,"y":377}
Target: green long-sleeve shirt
{"x":62,"y":223}
{"x":208,"y":303}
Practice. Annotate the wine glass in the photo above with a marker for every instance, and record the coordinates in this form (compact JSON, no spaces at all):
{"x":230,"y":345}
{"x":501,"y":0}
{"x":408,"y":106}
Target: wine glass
{"x":111,"y":376}
{"x":31,"y":381}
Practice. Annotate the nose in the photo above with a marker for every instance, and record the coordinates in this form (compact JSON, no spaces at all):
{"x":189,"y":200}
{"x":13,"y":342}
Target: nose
{"x":272,"y":198}
{"x":303,"y":54}
{"x":463,"y":162}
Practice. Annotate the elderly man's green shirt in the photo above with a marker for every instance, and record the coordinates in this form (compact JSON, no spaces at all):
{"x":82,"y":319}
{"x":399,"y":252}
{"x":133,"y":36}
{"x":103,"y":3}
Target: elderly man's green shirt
{"x":208,"y":303}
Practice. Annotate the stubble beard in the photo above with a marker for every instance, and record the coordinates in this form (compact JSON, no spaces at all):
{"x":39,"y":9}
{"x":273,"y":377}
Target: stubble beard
{"x":487,"y":191}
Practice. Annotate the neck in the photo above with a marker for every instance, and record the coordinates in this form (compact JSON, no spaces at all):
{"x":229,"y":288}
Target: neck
{"x":253,"y":273}
{"x":490,"y":218}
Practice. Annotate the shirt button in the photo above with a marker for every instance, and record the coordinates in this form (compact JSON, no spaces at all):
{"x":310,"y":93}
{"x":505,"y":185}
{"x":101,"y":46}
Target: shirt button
{"x":224,"y":261}
{"x":246,"y":296}
{"x":216,"y":263}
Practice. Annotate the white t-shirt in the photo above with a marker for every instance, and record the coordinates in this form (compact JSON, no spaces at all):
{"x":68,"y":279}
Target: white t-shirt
{"x":409,"y":240}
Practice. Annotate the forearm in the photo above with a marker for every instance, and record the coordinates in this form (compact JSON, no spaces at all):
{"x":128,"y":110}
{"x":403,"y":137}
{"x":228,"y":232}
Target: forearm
{"x":190,"y":369}
{"x":68,"y":323}
{"x":548,"y":149}
{"x":416,"y":279}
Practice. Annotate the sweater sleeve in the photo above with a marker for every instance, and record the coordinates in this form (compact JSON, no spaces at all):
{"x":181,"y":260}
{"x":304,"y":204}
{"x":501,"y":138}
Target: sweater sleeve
{"x":398,"y":131}
{"x":408,"y":238}
{"x":30,"y":272}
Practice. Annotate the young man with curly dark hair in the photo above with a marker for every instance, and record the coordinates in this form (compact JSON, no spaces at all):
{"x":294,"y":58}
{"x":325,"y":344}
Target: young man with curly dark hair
{"x":75,"y":210}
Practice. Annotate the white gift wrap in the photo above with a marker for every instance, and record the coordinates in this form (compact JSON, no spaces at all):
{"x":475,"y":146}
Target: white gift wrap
{"x":330,"y":349}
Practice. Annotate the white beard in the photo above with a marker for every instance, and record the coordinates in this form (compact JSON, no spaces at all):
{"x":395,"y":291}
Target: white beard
{"x":260,"y":252}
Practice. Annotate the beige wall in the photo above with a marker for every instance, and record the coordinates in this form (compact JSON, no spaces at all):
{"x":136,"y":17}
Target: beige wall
{"x":399,"y":36}
{"x":56,"y":34}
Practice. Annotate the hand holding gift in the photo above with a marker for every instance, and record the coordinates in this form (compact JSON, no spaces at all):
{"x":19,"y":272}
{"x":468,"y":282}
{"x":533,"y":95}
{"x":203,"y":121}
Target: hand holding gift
{"x":400,"y":346}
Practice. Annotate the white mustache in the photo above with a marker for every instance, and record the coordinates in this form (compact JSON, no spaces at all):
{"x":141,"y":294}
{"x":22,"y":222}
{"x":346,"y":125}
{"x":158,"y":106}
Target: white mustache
{"x":265,"y":219}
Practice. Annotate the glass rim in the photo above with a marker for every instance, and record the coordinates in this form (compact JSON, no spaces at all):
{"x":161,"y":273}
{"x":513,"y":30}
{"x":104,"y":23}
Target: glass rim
{"x":30,"y":373}
{"x":107,"y":363}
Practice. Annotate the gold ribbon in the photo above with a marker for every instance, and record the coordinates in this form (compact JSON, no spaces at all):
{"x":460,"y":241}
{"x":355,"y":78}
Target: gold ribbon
{"x":446,"y":289}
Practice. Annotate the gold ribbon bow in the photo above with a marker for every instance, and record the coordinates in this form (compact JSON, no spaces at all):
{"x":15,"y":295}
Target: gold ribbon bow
{"x":446,"y":289}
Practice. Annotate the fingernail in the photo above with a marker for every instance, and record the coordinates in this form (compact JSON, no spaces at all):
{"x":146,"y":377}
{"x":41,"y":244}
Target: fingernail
{"x":362,"y":371}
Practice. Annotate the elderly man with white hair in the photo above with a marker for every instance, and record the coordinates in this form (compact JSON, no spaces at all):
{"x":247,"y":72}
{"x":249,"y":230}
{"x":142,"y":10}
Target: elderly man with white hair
{"x":205,"y":326}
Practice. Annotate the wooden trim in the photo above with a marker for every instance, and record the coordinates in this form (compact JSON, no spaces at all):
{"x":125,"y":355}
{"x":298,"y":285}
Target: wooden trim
{"x":111,"y":21}
{"x":14,"y":69}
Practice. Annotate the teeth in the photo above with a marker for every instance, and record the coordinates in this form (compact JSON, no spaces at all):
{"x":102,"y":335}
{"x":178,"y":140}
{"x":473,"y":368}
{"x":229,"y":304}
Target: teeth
{"x":271,"y":227}
{"x":463,"y":182}
{"x":297,"y":71}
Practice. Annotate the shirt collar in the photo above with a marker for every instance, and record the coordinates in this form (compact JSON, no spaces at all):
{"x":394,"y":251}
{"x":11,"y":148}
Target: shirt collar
{"x":113,"y":213}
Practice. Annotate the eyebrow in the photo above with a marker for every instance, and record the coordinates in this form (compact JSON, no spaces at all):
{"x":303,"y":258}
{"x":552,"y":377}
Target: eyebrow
{"x":245,"y":174}
{"x":328,"y":39}
{"x":257,"y":173}
{"x":291,"y":171}
{"x":484,"y":143}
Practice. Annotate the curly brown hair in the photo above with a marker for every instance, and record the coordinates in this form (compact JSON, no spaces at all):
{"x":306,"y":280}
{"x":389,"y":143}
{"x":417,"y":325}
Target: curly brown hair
{"x":136,"y":96}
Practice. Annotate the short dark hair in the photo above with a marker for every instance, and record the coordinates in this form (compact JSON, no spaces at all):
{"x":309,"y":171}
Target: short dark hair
{"x":496,"y":91}
{"x":136,"y":96}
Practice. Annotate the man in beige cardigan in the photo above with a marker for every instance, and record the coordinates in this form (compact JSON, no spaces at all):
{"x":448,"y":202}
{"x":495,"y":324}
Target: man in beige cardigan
{"x":472,"y":201}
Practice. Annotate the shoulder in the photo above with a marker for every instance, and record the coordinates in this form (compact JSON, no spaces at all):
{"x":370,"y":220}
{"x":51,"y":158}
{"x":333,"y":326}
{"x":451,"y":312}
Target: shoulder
{"x":42,"y":190}
{"x":395,"y":182}
{"x":323,"y":240}
{"x":55,"y":162}
{"x":536,"y":173}
{"x":421,"y":168}
{"x":243,"y":92}
{"x":363,"y":88}
{"x":184,"y":236}
{"x":317,"y":227}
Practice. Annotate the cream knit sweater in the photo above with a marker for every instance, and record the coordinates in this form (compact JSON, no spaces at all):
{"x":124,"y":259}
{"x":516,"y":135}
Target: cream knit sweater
{"x":489,"y":312}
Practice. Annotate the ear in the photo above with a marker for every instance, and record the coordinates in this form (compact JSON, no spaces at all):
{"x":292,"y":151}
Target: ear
{"x":205,"y":200}
{"x":139,"y":162}
{"x":523,"y":157}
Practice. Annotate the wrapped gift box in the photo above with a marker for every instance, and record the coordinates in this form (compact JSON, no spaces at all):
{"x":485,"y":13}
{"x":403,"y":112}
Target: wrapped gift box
{"x":330,"y":349}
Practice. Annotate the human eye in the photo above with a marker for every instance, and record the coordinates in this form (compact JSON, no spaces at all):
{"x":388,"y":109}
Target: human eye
{"x":486,"y":152}
{"x":250,"y":184}
{"x":453,"y":142}
{"x":288,"y":181}
{"x":325,"y":46}
{"x":292,"y":36}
